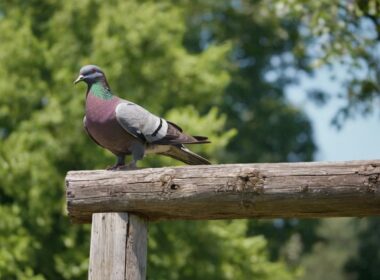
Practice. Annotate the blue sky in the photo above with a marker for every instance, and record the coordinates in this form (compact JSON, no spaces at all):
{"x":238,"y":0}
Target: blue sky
{"x":358,"y":138}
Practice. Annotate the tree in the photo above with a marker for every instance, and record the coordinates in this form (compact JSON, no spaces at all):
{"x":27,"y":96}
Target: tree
{"x":141,"y":46}
{"x":261,"y":60}
{"x":271,"y":43}
{"x":341,"y":32}
{"x":269,"y":128}
{"x":336,"y":245}
{"x":217,"y":250}
{"x":364,"y":264}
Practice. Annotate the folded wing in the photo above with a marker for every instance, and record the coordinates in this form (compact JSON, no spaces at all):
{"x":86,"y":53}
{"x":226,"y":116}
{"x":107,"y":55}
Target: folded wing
{"x":146,"y":126}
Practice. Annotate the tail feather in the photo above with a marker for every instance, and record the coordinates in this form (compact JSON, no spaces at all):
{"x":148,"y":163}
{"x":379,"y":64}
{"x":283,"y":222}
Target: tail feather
{"x":202,"y":139}
{"x":181,"y":153}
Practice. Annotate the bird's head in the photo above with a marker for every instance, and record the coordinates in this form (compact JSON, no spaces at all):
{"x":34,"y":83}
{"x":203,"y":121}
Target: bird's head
{"x":90,"y":74}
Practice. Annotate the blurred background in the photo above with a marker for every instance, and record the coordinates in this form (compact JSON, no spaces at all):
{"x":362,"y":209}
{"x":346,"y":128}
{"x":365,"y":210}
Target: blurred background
{"x":267,"y":81}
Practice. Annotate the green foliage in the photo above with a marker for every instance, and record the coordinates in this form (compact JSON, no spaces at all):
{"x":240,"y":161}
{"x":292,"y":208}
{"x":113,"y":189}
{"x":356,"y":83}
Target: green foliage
{"x":341,"y":31}
{"x":254,"y":99}
{"x":328,"y":257}
{"x":365,"y":264}
{"x":286,"y":235}
{"x":145,"y":51}
{"x":230,"y":254}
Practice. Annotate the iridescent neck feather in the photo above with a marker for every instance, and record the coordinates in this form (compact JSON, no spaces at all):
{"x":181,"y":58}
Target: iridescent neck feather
{"x":100,"y":90}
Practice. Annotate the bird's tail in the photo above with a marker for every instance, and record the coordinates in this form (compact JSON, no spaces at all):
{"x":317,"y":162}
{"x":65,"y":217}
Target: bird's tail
{"x":181,"y":153}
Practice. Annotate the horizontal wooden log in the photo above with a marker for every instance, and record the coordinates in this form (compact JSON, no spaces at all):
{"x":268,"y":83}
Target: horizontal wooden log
{"x":276,"y":190}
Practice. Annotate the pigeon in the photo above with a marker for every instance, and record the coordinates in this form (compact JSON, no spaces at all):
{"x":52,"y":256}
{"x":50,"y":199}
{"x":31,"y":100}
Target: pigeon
{"x":125,"y":128}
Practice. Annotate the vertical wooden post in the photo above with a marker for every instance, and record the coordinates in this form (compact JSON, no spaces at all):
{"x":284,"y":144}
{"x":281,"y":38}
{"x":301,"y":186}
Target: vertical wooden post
{"x":118,"y":247}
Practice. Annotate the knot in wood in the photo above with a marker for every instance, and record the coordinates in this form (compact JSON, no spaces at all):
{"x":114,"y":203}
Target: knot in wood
{"x":174,"y":187}
{"x":368,"y":169}
{"x":255,"y":181}
{"x":373,"y":183}
{"x":166,"y":177}
{"x":167,"y":181}
{"x":246,"y":180}
{"x":304,"y":188}
{"x":70,"y":194}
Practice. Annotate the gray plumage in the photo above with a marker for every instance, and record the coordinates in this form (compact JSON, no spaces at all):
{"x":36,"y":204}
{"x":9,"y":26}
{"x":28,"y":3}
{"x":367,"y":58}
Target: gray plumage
{"x":140,"y":122}
{"x":125,"y":128}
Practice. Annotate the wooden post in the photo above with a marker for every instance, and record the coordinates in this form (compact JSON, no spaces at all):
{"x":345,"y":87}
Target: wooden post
{"x":118,"y":247}
{"x":276,"y":190}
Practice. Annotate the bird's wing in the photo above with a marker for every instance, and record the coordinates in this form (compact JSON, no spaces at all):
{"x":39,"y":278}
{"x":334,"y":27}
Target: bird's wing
{"x":148,"y":127}
{"x":174,"y":135}
{"x":140,"y":123}
{"x":88,"y":132}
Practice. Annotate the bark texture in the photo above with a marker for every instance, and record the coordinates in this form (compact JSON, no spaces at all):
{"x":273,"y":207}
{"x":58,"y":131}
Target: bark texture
{"x":276,"y":190}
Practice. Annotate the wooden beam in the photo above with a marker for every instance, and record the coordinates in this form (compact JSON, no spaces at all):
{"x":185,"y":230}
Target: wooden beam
{"x":304,"y":190}
{"x":118,"y":247}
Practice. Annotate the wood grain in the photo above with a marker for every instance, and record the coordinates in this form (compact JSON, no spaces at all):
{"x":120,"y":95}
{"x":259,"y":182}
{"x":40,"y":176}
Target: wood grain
{"x":118,"y":247}
{"x":137,"y":245}
{"x":305,"y":190}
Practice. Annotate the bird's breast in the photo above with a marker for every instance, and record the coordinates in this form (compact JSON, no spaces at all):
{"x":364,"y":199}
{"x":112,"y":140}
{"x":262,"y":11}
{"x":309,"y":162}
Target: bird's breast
{"x":99,"y":110}
{"x":101,"y":123}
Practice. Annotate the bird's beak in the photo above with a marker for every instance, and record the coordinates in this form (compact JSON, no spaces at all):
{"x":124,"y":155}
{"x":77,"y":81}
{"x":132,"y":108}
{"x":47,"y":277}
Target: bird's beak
{"x":80,"y":78}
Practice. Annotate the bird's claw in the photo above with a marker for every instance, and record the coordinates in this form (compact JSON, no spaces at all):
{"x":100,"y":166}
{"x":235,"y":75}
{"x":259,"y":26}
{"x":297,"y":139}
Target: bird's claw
{"x":115,"y":167}
{"x":120,"y":167}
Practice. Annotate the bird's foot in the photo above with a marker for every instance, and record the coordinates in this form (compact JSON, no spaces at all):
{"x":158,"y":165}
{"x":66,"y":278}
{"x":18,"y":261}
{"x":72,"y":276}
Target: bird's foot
{"x":115,"y":167}
{"x":119,"y":167}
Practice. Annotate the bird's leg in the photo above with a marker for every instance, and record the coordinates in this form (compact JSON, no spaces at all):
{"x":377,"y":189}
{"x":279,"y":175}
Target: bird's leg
{"x":138,"y":151}
{"x":137,"y":154}
{"x":120,"y":162}
{"x":132,"y":164}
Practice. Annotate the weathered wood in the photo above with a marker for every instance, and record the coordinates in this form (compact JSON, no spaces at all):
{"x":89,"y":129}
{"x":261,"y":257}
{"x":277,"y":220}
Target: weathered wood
{"x":136,"y":248}
{"x":118,"y":247}
{"x":315,"y":189}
